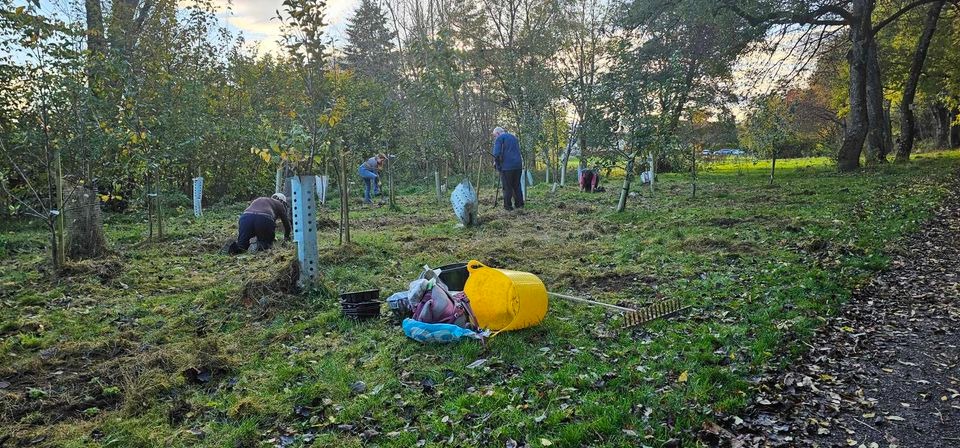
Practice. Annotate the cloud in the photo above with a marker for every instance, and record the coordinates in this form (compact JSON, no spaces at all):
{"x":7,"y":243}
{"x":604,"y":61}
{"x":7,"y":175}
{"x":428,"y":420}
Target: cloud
{"x":256,"y":19}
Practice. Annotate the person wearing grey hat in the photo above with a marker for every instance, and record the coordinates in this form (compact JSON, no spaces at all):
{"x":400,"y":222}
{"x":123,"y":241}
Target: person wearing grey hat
{"x":260,"y":220}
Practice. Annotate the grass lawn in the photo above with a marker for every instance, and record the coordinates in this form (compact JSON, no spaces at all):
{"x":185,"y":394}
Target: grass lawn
{"x":104,"y":357}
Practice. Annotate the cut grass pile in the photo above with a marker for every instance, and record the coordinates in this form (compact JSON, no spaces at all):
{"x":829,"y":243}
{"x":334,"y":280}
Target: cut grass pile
{"x":157,"y":346}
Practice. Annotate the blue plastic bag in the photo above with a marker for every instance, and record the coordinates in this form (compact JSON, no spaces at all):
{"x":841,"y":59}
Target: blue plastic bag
{"x":436,"y":333}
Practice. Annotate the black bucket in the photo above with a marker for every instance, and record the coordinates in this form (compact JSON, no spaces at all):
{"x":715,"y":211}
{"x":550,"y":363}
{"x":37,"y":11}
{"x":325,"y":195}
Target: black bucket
{"x":361,"y":305}
{"x":454,"y":276}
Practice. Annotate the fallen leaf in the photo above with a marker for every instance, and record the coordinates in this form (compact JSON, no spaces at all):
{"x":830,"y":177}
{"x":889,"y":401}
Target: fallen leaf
{"x":477,"y":363}
{"x":545,"y":442}
{"x":683,"y":377}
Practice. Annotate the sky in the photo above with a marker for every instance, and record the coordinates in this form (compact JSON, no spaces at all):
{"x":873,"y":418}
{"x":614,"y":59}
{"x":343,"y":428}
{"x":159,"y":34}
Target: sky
{"x":255,"y":19}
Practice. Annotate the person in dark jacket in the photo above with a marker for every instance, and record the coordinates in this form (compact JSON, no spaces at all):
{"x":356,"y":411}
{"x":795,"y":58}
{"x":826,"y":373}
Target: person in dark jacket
{"x":370,"y":172}
{"x":508,"y":161}
{"x":260,"y":220}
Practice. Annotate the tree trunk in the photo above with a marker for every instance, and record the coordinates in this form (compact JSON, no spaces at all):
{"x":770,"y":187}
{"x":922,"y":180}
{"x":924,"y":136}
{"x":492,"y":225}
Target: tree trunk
{"x":942,"y":115}
{"x":848,"y":158}
{"x":653,"y":171}
{"x":627,"y":178}
{"x":887,"y":117}
{"x":60,"y":251}
{"x":96,"y":44}
{"x":955,"y":132}
{"x":393,"y":198}
{"x":773,"y":167}
{"x":566,"y":154}
{"x":879,"y":139}
{"x":907,"y":120}
{"x":344,"y":200}
{"x":693,"y":172}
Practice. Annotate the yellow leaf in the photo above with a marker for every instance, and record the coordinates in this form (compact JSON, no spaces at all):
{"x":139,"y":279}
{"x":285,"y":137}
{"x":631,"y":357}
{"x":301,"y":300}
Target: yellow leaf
{"x":683,"y":377}
{"x":545,"y":442}
{"x":20,"y":10}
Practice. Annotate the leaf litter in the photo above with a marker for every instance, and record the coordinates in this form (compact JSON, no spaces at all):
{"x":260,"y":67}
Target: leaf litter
{"x":883,"y":373}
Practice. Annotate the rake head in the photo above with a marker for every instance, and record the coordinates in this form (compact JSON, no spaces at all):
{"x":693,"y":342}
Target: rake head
{"x":658,"y":310}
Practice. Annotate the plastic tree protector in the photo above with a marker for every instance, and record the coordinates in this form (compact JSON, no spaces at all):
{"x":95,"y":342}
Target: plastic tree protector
{"x":322,"y":182}
{"x":305,"y":228}
{"x":197,"y":196}
{"x":464,"y":201}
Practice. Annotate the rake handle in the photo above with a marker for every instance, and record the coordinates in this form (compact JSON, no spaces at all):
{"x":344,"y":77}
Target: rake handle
{"x":592,"y":302}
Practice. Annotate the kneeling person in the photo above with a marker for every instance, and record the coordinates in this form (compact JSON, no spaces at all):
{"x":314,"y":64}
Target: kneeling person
{"x":260,"y":220}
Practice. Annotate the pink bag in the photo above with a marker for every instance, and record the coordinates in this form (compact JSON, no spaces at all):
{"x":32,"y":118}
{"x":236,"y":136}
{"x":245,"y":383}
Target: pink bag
{"x":438,"y":306}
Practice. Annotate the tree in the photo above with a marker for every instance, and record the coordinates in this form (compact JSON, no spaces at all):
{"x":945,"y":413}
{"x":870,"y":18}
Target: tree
{"x":582,"y":56}
{"x":865,"y":89}
{"x":32,"y":142}
{"x":907,"y":120}
{"x":370,"y":49}
{"x":303,"y":34}
{"x":526,"y":38}
{"x":767,"y":128}
{"x":669,"y":59}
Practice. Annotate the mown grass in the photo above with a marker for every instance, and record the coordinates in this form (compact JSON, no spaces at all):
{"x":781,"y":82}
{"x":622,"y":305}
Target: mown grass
{"x":100,"y":360}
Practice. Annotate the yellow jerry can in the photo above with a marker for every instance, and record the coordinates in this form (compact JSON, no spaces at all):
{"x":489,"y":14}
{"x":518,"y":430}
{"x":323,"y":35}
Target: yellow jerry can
{"x":505,"y":300}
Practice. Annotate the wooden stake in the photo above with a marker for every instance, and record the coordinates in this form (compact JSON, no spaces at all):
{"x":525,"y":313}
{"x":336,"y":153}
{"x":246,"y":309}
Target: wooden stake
{"x":159,"y":186}
{"x":61,"y":256}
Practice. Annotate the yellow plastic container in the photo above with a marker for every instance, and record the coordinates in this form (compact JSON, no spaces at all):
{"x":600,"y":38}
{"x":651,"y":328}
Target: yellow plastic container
{"x":505,"y":300}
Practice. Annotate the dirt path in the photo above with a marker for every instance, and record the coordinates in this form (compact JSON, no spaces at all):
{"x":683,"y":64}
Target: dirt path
{"x":886,"y":372}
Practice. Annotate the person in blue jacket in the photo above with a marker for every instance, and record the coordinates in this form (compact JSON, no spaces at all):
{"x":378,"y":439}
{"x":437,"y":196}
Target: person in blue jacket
{"x":507,"y":160}
{"x":369,"y":170}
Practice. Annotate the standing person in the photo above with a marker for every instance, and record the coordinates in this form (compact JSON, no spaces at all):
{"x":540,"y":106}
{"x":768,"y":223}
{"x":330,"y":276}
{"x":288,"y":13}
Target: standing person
{"x":507,"y":160}
{"x":260,"y":220}
{"x":370,"y":172}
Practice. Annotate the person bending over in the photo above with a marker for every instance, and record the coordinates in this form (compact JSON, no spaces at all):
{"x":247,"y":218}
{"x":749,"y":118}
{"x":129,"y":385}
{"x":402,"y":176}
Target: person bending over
{"x":370,"y":172}
{"x":260,"y":220}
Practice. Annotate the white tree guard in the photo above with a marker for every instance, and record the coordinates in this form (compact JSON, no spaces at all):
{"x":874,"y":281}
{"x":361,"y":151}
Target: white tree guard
{"x":304,"y":203}
{"x":529,"y":177}
{"x":322,"y":183}
{"x":197,"y":196}
{"x":278,"y":184}
{"x":523,"y":187}
{"x":464,"y":201}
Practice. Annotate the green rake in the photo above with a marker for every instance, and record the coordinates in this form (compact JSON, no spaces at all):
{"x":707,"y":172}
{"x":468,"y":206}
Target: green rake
{"x":633,"y":317}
